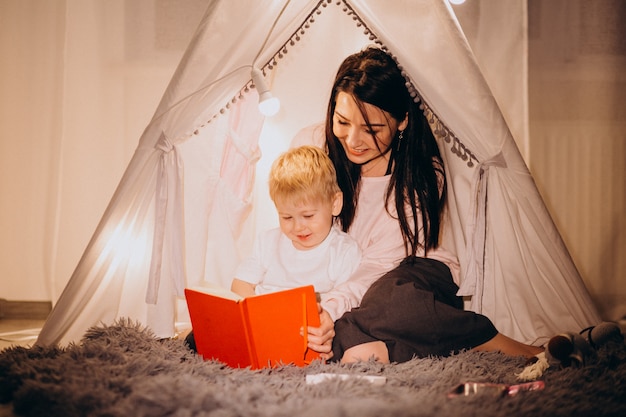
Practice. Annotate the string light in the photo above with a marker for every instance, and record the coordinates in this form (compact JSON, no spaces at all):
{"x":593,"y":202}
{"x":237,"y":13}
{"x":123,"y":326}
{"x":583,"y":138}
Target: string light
{"x":268,"y":104}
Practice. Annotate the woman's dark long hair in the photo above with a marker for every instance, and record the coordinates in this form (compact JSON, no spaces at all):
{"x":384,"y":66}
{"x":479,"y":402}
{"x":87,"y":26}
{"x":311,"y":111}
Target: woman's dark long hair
{"x":417,"y":179}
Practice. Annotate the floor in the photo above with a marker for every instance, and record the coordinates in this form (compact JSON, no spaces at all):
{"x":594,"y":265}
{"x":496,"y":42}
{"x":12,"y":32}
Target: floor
{"x":19,"y":332}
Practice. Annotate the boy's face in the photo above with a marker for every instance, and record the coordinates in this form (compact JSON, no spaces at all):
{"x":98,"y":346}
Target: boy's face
{"x":307,"y":223}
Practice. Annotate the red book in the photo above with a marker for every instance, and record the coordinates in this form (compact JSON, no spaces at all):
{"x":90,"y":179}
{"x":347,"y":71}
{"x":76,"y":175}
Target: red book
{"x":257,"y":332}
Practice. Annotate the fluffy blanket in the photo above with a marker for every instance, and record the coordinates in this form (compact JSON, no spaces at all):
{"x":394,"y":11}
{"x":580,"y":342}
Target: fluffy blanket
{"x":123,"y":370}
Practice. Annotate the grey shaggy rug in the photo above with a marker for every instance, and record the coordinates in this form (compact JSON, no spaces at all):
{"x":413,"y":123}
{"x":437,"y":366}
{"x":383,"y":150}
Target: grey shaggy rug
{"x":123,"y":370}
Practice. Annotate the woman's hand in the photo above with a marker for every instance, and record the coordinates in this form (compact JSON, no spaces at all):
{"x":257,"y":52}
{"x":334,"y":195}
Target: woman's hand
{"x":321,"y":338}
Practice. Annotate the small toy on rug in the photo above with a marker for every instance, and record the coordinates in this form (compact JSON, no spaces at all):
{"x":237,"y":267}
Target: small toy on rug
{"x":571,"y":349}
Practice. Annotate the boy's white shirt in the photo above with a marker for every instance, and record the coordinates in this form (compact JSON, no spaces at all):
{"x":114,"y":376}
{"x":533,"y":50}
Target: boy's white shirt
{"x":277,"y":265}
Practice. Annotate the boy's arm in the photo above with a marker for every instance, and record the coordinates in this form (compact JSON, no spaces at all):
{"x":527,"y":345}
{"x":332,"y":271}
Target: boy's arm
{"x":242,"y":288}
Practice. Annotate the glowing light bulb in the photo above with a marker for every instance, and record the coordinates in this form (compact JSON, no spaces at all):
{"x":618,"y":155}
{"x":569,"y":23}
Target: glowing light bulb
{"x":268,"y":104}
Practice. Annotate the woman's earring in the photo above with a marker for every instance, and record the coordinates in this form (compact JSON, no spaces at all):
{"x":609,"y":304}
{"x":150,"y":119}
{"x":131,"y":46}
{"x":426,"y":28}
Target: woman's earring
{"x":400,"y":136}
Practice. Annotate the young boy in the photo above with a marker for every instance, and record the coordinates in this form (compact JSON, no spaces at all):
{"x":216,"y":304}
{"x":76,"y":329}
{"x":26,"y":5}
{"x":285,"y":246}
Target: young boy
{"x":306,"y":249}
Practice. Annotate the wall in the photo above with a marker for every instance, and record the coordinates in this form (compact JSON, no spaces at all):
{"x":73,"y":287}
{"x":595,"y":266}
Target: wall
{"x":80,"y":81}
{"x":577,"y":79}
{"x":31,"y":115}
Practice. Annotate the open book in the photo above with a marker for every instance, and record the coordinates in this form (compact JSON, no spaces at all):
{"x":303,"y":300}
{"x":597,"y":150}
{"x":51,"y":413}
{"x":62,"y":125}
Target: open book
{"x":258,"y":331}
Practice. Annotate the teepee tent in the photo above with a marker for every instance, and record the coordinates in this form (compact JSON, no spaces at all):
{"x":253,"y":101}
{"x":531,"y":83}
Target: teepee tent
{"x":185,"y":212}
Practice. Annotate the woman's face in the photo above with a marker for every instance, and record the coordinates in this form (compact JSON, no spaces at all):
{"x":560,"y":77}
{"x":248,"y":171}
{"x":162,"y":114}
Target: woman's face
{"x":363,"y":145}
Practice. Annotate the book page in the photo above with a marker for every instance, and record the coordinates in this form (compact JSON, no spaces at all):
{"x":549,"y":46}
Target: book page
{"x":218,"y":292}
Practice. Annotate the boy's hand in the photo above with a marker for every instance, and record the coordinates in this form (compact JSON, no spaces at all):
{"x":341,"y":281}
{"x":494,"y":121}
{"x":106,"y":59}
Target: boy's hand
{"x":321,"y":338}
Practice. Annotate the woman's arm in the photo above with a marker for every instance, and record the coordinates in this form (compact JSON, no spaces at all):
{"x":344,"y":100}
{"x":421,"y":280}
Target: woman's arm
{"x":342,"y":298}
{"x":382,"y":250}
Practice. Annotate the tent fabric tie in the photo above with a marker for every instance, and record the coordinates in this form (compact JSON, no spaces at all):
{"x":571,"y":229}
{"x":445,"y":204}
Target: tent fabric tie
{"x":473,"y":274}
{"x":168,"y":243}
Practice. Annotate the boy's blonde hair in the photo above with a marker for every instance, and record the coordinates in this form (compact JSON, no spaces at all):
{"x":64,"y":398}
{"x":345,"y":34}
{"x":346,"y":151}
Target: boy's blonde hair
{"x":303,"y":174}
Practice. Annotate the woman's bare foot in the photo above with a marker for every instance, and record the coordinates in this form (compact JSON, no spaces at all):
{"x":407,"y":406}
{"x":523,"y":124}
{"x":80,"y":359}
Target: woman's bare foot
{"x":366,"y":351}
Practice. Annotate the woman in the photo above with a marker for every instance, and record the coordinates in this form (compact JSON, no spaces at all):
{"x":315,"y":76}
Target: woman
{"x":393,"y":182}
